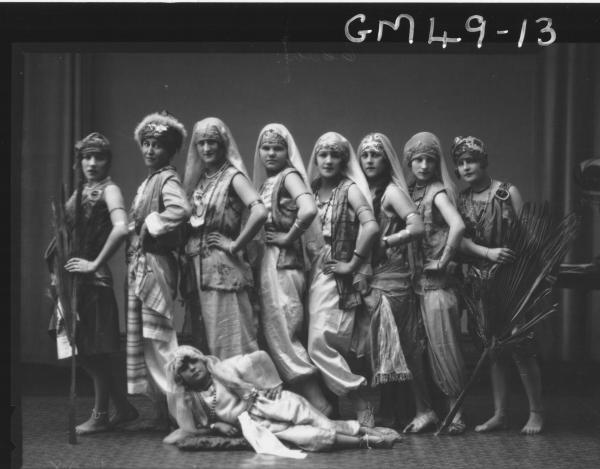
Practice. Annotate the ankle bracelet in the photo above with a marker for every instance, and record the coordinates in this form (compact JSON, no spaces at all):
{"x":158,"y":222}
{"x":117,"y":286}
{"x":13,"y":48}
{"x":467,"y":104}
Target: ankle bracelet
{"x":97,"y":414}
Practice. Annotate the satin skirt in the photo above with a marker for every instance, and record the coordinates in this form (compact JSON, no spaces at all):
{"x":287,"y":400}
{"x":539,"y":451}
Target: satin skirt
{"x":441,"y":319}
{"x":330,"y":331}
{"x":293,"y":419}
{"x":282,"y":317}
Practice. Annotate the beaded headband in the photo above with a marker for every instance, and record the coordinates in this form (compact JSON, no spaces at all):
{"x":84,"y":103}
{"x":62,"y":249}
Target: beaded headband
{"x":93,"y":143}
{"x":371,"y":142}
{"x":211,"y":132}
{"x":272,"y":137}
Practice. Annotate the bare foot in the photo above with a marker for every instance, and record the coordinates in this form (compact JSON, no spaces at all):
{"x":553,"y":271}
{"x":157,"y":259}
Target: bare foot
{"x":98,"y":422}
{"x":534,"y":424}
{"x":497,"y":422}
{"x":121,"y":416}
{"x":422,"y":422}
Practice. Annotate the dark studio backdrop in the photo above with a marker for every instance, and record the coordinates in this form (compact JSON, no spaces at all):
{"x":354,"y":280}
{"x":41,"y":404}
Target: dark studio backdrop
{"x":536,"y":108}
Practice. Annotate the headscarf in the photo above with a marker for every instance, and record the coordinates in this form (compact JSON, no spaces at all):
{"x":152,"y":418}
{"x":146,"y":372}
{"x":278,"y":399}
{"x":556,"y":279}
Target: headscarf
{"x":94,"y":143}
{"x":164,"y":127}
{"x":472,"y":145}
{"x":426,"y":143}
{"x":382,"y":143}
{"x":215,"y":129}
{"x":217,"y":369}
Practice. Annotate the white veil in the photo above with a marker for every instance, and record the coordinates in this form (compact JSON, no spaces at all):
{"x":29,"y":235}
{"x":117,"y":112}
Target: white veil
{"x":214,"y":128}
{"x":352,"y":170}
{"x":259,"y":173}
{"x":390,"y":154}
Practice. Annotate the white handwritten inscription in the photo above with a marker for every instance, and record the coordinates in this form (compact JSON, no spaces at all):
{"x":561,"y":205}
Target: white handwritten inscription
{"x":546,"y":34}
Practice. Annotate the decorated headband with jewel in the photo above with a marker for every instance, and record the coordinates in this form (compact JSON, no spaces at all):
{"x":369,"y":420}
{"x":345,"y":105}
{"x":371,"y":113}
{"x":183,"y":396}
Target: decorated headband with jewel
{"x":472,"y":145}
{"x":371,"y":142}
{"x":162,"y":126}
{"x":211,"y":132}
{"x":335,"y":145}
{"x":272,"y":137}
{"x":94,"y":143}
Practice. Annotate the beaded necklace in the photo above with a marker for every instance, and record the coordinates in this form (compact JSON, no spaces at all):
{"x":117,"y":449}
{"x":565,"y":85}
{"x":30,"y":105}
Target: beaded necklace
{"x":478,"y":218}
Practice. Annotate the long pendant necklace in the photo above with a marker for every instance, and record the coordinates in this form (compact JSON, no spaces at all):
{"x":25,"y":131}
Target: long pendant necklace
{"x":479,"y":217}
{"x":418,"y":196}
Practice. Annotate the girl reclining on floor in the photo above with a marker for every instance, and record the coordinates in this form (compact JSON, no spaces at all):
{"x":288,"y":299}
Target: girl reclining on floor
{"x":210,"y":394}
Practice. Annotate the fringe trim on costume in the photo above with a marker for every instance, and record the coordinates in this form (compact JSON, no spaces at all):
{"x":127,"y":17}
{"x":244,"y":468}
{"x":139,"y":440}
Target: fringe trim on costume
{"x":381,"y":378}
{"x":388,"y":361}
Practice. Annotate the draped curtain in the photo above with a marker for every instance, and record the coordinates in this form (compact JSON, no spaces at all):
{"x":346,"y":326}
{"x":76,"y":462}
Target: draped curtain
{"x":568,"y":133}
{"x":55,"y":113}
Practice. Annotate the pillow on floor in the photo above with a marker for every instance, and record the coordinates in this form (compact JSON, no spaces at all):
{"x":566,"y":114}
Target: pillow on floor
{"x":211,"y":443}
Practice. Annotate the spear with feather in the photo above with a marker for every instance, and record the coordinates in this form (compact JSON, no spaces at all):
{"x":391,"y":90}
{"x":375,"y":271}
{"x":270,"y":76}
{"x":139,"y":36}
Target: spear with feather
{"x":518,"y":291}
{"x":67,"y":244}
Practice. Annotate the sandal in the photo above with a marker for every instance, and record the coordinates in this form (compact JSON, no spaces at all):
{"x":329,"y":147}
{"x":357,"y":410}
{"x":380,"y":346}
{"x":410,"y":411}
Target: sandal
{"x":366,"y":417}
{"x":457,"y":427}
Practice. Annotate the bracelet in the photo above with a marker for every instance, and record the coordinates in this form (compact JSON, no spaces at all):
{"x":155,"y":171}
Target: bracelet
{"x":487,"y":250}
{"x":298,"y":225}
{"x":360,"y":256}
{"x":230,"y":248}
{"x":211,"y":426}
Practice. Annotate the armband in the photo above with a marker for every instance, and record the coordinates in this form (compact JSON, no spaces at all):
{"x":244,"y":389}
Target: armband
{"x":361,"y":209}
{"x":299,"y":225}
{"x":360,"y":256}
{"x":303,"y":193}
{"x":256,"y":202}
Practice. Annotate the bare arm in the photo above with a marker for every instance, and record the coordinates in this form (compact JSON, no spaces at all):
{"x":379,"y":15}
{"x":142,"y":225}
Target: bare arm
{"x":500,"y":254}
{"x":401,"y":204}
{"x":258,"y":215}
{"x":307,"y":211}
{"x":118,"y":218}
{"x":456,"y":228}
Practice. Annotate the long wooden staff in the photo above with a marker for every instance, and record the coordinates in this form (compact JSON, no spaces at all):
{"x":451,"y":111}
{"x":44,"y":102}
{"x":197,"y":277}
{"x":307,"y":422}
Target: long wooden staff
{"x":75,"y":251}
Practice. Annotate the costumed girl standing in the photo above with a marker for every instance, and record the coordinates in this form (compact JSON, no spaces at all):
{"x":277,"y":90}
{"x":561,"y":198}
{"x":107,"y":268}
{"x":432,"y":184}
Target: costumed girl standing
{"x":279,"y":173}
{"x":102,"y":230}
{"x":157,"y":214}
{"x":211,"y":394}
{"x":490,"y":208}
{"x":343,"y":239}
{"x":218,"y":276}
{"x":433,"y":193}
{"x":396,"y":329}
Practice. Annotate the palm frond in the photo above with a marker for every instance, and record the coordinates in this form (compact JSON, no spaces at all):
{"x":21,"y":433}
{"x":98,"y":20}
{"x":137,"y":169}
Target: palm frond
{"x":517,"y":294}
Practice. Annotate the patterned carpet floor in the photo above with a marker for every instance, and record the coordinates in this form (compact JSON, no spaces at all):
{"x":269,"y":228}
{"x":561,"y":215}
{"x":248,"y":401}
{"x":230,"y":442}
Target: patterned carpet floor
{"x":571,"y":440}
